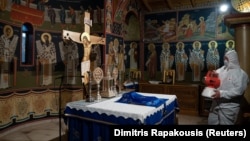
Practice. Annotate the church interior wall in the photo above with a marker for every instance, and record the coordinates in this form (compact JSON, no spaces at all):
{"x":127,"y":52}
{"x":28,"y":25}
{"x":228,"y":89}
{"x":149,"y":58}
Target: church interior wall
{"x":25,"y":84}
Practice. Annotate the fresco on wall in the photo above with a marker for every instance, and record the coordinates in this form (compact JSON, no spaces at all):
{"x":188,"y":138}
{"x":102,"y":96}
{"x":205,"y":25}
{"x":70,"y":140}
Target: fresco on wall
{"x":151,"y":61}
{"x":55,"y":15}
{"x":196,"y":60}
{"x":119,"y":10}
{"x":126,"y":20}
{"x":117,"y":28}
{"x":223,"y":32}
{"x":131,"y":27}
{"x":211,"y":57}
{"x":46,"y":55}
{"x":34,"y":16}
{"x":96,"y":55}
{"x":109,"y":20}
{"x":70,"y":58}
{"x":8,"y":43}
{"x":181,"y":61}
{"x":188,"y":25}
{"x":166,"y":58}
{"x":132,"y":55}
{"x":160,"y":27}
{"x":113,"y":46}
{"x":230,"y":45}
{"x":199,"y":24}
{"x":121,"y":7}
{"x":56,"y":56}
{"x":53,"y":58}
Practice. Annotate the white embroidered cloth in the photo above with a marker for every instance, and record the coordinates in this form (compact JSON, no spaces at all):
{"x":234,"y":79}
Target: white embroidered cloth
{"x":111,"y":107}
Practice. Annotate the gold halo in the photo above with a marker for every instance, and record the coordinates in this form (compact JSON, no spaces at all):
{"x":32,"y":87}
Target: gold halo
{"x":116,"y":41}
{"x":227,"y":43}
{"x":42,"y":37}
{"x":198,"y":43}
{"x":177,"y":45}
{"x":131,"y":44}
{"x":11,"y":31}
{"x":213,"y":41}
{"x":166,"y":44}
{"x":85,"y":34}
{"x":151,"y":45}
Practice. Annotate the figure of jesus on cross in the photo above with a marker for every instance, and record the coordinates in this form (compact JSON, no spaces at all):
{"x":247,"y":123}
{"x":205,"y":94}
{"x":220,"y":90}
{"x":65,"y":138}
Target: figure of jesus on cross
{"x":87,"y":41}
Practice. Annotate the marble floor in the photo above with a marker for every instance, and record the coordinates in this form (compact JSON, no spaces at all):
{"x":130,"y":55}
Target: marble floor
{"x":48,"y":130}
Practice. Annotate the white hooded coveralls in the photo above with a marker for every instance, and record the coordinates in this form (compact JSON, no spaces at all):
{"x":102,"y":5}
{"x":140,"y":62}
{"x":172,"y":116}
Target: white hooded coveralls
{"x":234,"y":81}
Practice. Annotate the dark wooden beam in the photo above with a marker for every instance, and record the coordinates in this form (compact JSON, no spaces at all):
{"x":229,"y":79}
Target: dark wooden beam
{"x":145,"y":2}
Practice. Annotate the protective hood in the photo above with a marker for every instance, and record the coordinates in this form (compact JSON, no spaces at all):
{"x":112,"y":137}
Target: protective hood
{"x":232,"y":59}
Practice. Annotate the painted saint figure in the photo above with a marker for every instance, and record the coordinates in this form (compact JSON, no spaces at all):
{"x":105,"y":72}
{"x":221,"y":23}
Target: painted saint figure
{"x":111,"y":57}
{"x":202,"y":26}
{"x":95,"y":57}
{"x":116,"y":50}
{"x":82,"y":11}
{"x":230,"y":45}
{"x":52,"y":15}
{"x":41,"y":5}
{"x":8,"y":43}
{"x":151,"y":63}
{"x":70,"y":58}
{"x":196,"y":61}
{"x":166,"y":58}
{"x":47,"y":57}
{"x":133,"y":53}
{"x":121,"y":58}
{"x":213,"y":57}
{"x":180,"y":61}
{"x":72,"y":14}
{"x":62,"y":14}
{"x":108,"y":16}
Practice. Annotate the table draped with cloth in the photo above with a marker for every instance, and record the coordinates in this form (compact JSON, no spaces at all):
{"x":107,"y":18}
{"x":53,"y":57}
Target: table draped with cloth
{"x":91,"y":120}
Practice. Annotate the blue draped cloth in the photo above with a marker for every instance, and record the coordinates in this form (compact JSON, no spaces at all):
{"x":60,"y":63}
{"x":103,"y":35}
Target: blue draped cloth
{"x":82,"y":129}
{"x":135,"y":98}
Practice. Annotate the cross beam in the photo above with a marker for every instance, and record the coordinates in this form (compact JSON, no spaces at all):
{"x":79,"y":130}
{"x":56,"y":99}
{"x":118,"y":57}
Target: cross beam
{"x":87,"y":40}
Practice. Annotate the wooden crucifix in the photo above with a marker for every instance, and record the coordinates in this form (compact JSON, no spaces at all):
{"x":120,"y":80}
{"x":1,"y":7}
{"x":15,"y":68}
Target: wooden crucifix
{"x":87,"y":41}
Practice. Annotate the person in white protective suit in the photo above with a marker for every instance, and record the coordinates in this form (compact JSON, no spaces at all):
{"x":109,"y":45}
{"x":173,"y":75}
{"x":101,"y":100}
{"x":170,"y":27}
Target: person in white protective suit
{"x":226,"y":98}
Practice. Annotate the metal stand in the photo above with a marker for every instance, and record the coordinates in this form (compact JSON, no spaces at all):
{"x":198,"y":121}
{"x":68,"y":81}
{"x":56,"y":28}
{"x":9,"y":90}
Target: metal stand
{"x":98,"y":92}
{"x":89,"y":98}
{"x":59,"y":107}
{"x":120,"y":82}
{"x":60,"y":103}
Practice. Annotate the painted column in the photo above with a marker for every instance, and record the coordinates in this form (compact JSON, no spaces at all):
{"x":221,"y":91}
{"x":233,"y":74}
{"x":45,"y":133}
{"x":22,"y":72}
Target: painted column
{"x":241,"y":24}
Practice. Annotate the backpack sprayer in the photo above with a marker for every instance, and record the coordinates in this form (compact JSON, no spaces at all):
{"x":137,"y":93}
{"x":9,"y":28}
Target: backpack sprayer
{"x":212,"y":82}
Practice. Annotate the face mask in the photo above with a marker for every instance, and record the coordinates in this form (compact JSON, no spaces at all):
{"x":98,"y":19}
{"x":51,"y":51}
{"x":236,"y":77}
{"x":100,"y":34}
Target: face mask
{"x":226,"y":63}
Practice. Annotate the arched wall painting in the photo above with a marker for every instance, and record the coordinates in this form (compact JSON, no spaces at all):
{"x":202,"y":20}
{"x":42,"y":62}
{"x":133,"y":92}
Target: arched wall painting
{"x":187,"y":25}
